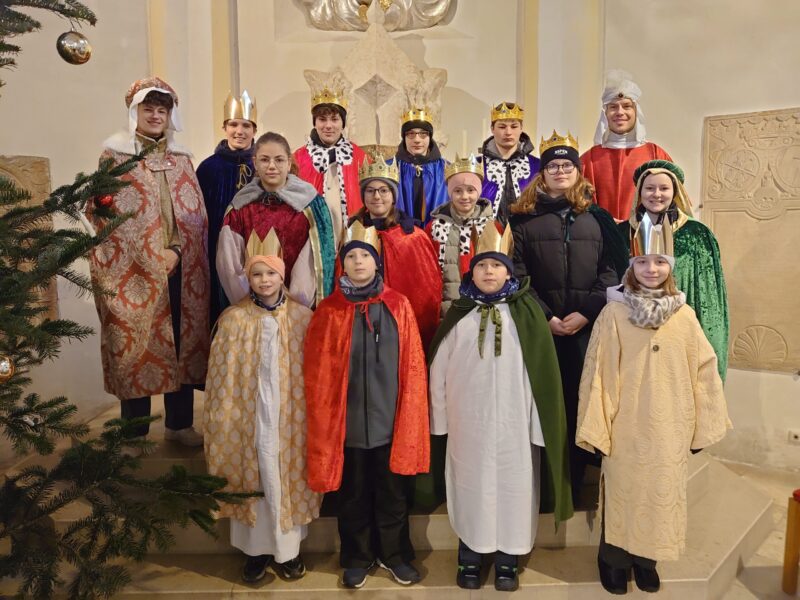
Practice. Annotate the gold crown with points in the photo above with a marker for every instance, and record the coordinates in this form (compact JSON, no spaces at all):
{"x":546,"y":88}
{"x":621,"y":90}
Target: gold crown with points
{"x":557,"y":140}
{"x":509,"y":110}
{"x":358,"y":233}
{"x":328,"y":96}
{"x":417,"y":114}
{"x":269,"y":246}
{"x":378,"y":169}
{"x":470,"y":164}
{"x":652,"y":239}
{"x":492,"y":241}
{"x":240,"y":108}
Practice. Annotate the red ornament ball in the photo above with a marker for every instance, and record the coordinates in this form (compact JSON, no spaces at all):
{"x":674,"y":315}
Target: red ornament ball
{"x":105,"y":200}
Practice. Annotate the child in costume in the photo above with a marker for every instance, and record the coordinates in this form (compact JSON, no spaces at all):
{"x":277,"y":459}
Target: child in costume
{"x":451,"y":224}
{"x":649,"y":394}
{"x":408,"y":262}
{"x":698,"y":266}
{"x":496,"y":392}
{"x":255,"y":416}
{"x":367,"y":407}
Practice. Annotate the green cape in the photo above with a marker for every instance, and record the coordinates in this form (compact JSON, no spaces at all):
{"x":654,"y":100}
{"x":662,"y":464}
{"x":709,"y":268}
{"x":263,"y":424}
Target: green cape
{"x":541,"y":363}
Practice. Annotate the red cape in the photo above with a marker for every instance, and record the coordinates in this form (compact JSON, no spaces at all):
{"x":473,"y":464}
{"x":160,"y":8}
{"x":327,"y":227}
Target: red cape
{"x":308,"y":173}
{"x":411,"y":266}
{"x":326,"y":366}
{"x":610,"y":170}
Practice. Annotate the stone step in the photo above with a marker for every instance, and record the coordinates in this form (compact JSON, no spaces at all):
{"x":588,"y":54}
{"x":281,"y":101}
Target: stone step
{"x":725,"y":527}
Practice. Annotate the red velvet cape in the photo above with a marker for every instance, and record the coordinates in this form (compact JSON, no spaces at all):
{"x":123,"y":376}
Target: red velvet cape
{"x":610,"y":170}
{"x":326,"y":366}
{"x":307,"y":172}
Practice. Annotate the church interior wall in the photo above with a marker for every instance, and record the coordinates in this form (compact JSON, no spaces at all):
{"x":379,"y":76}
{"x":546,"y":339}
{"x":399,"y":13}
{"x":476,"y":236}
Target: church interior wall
{"x":692,"y":59}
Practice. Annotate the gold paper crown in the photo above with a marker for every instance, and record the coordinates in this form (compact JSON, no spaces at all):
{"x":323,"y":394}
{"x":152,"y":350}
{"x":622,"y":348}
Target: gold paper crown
{"x":557,"y":140}
{"x":269,"y":246}
{"x":328,"y":96}
{"x":514,"y":111}
{"x":652,"y":239}
{"x":471,"y":164}
{"x":240,"y":108}
{"x":358,"y":233}
{"x":491,"y":240}
{"x":378,"y":169}
{"x":417,"y":114}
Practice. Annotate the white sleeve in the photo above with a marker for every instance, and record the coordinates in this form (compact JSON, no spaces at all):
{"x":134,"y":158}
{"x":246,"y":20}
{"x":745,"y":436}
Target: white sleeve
{"x":304,"y":278}
{"x":438,"y":386}
{"x":230,"y":265}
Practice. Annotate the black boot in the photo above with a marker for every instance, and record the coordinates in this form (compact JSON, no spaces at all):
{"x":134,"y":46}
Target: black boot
{"x":647,"y":580}
{"x":615,"y":581}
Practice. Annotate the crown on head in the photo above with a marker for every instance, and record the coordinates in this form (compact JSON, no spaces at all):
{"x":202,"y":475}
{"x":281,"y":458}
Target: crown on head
{"x":358,"y":233}
{"x":417,"y":114}
{"x":240,"y":108}
{"x":328,"y":96}
{"x":269,"y":246}
{"x":378,"y":169}
{"x":652,"y":239}
{"x":470,"y":164}
{"x":557,"y":140}
{"x":492,"y":241}
{"x":508,"y":110}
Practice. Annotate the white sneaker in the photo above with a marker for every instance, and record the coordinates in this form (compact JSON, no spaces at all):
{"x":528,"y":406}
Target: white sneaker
{"x":187,"y":436}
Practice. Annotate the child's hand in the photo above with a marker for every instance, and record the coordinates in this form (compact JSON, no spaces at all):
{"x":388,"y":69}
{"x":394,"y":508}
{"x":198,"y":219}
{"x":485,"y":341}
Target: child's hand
{"x":574,"y":322}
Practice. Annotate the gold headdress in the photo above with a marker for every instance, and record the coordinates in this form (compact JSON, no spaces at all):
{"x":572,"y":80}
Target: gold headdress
{"x":417,"y":114}
{"x":269,"y":246}
{"x":240,"y":108}
{"x":648,"y":238}
{"x":492,"y":241}
{"x":471,"y":164}
{"x":366,"y":235}
{"x":378,"y":169}
{"x":508,"y":111}
{"x":328,"y":96}
{"x":557,"y":140}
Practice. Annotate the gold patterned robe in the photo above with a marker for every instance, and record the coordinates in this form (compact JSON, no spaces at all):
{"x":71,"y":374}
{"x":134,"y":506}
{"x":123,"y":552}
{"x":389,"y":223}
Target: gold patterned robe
{"x":648,"y":396}
{"x":248,"y":342}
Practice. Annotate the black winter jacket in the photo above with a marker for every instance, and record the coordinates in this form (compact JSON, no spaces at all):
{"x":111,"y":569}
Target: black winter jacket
{"x":563,"y":254}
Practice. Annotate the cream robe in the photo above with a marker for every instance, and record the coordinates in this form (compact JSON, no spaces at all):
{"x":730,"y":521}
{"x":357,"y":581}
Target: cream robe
{"x":646,"y":397}
{"x":486,"y":407}
{"x":254,"y":424}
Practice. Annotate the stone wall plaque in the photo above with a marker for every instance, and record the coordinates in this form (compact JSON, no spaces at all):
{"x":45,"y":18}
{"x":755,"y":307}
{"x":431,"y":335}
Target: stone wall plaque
{"x":32,"y":173}
{"x":751,"y":200}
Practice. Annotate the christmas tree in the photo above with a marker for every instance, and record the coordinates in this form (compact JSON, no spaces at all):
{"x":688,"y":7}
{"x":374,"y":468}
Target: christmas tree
{"x":127,"y":514}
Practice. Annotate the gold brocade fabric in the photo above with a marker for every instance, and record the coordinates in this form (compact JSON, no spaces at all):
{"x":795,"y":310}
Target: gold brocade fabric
{"x":159,"y":163}
{"x":230,"y":419}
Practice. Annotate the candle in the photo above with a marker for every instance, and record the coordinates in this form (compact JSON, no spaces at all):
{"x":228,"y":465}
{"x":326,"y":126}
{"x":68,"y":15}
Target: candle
{"x":463,"y":143}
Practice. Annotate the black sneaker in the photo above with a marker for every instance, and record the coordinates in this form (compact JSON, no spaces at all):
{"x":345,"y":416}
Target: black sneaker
{"x":469,"y":577}
{"x":614,"y":581}
{"x":505,"y":578}
{"x":292,"y":569}
{"x":355,"y":577}
{"x":255,"y":567}
{"x":404,"y":573}
{"x":647,"y":580}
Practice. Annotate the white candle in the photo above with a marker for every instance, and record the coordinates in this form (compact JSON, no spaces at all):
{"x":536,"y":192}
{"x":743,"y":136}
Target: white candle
{"x":463,"y":143}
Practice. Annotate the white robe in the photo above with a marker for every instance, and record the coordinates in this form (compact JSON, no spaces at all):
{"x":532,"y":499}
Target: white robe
{"x":486,"y":407}
{"x":267,"y":537}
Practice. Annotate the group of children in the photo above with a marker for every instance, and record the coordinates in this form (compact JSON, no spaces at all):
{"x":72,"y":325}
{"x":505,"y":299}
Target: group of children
{"x":344,"y":274}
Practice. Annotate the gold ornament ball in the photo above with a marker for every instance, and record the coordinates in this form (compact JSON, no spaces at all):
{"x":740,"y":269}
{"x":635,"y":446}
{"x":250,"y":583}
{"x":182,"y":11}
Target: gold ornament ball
{"x":6,"y":368}
{"x":74,"y":47}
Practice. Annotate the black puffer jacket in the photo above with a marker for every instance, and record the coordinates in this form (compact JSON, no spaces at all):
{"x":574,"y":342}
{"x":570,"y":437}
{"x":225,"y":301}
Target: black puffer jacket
{"x":563,"y":254}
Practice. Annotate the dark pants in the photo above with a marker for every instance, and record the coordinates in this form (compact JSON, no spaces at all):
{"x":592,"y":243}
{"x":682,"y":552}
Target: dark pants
{"x":178,"y":405}
{"x":373,"y":510}
{"x":468,"y":557}
{"x":617,"y":558}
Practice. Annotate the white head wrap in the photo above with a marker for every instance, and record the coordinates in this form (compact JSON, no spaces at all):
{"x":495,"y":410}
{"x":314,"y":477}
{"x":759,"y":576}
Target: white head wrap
{"x":620,"y":84}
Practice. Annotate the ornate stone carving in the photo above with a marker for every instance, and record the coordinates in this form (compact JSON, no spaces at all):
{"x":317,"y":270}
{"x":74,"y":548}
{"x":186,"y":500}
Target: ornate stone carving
{"x":32,"y":173}
{"x":397,"y":15}
{"x":384,"y":83}
{"x":751,"y":199}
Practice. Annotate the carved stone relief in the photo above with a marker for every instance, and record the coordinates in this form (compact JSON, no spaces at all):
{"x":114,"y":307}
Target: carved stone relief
{"x":751,"y":194}
{"x":399,"y":15}
{"x":32,"y":173}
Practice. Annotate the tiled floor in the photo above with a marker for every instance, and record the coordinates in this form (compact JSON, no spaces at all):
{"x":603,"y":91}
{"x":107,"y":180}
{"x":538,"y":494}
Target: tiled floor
{"x":760,"y":578}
